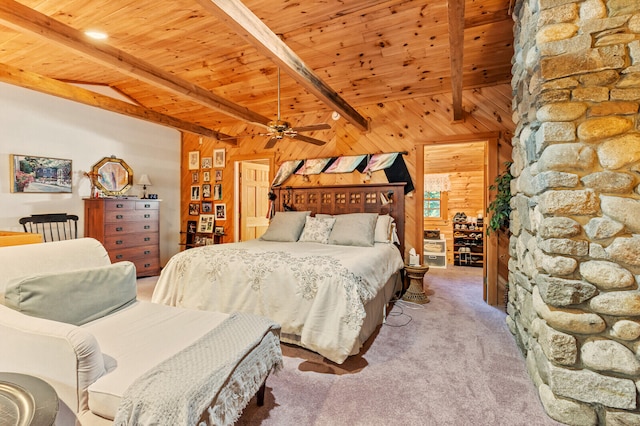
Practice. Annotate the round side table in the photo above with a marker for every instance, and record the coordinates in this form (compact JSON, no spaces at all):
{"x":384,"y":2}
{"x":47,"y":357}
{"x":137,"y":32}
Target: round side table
{"x":415,"y":293}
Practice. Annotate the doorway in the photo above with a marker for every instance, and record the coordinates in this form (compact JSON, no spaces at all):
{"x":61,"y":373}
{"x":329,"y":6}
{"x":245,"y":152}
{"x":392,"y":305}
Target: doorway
{"x":469,"y":164}
{"x":252,"y":181}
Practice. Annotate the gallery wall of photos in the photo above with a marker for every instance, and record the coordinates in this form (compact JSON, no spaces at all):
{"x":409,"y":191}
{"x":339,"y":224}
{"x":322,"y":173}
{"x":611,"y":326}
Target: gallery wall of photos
{"x":207,"y":208}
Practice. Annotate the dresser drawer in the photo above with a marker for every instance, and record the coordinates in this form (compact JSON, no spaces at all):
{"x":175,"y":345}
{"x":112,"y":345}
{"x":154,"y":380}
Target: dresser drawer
{"x":111,"y":229}
{"x":116,"y":242}
{"x":147,"y":205}
{"x":142,"y":252}
{"x":147,"y":267}
{"x":112,"y":216}
{"x":110,"y":205}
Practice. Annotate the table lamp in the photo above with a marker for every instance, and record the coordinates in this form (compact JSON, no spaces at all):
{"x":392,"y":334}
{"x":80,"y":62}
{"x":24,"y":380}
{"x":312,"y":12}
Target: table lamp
{"x":144,"y":181}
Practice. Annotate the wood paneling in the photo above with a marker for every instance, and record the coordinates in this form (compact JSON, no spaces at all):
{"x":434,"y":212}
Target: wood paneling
{"x":395,"y":126}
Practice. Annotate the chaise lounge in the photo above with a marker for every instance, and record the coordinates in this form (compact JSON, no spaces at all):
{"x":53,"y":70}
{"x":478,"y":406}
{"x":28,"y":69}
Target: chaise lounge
{"x":70,"y":317}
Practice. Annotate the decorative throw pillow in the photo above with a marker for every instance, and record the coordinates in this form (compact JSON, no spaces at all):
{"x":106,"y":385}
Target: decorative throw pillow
{"x":354,"y":229}
{"x":74,"y":297}
{"x":317,"y":230}
{"x":285,"y":226}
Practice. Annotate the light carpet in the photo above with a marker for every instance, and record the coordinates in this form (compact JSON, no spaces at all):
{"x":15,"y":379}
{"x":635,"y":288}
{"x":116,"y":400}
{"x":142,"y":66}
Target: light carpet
{"x":452,"y":361}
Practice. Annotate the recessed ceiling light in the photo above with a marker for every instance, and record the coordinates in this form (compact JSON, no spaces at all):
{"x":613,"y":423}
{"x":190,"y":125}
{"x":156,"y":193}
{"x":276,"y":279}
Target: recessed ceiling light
{"x":97,"y":35}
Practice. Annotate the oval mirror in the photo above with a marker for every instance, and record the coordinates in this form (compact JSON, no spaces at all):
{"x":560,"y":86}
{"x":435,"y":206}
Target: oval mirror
{"x":112,"y":176}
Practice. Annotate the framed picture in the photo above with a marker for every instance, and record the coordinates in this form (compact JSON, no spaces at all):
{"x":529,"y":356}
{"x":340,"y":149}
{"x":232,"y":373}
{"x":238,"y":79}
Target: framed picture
{"x":207,"y":207}
{"x":206,"y":162}
{"x":40,"y":174}
{"x":194,"y":160}
{"x":221,"y":211}
{"x":206,"y":223}
{"x":218,"y":157}
{"x":218,"y":175}
{"x":191,"y":226}
{"x":217,"y":191}
{"x":195,"y":193}
{"x":194,"y":177}
{"x":219,"y":230}
{"x":206,"y":190}
{"x":206,"y":176}
{"x":194,"y":209}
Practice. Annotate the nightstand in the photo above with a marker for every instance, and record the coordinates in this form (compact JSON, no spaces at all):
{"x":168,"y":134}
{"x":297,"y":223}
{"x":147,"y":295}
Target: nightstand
{"x":415,"y":293}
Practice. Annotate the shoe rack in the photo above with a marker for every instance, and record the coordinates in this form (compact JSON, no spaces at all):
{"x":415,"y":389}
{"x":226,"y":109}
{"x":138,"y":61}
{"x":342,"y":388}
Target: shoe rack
{"x":468,"y":241}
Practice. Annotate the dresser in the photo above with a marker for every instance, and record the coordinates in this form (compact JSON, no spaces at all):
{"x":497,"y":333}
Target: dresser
{"x":128,"y":228}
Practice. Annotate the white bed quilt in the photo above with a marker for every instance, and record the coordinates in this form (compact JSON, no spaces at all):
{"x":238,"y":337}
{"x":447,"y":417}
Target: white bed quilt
{"x":315,"y":291}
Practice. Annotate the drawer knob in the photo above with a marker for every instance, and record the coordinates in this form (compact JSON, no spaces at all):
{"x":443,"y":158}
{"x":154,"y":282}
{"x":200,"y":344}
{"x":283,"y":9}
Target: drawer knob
{"x":119,"y":242}
{"x":147,"y":206}
{"x":147,"y":216}
{"x":147,"y":252}
{"x":147,"y":238}
{"x":119,"y":256}
{"x":147,"y":227}
{"x":119,"y":206}
{"x":118,"y":216}
{"x":119,"y":228}
{"x":147,"y":265}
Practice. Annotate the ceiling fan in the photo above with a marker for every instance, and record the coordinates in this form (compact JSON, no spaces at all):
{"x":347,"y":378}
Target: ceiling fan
{"x":280,"y":129}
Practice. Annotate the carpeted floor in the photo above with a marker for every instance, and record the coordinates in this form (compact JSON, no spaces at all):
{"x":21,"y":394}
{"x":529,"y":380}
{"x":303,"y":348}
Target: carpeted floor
{"x":449,"y":362}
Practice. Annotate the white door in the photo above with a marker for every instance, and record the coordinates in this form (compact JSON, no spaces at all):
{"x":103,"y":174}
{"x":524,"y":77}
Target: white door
{"x":254,"y":201}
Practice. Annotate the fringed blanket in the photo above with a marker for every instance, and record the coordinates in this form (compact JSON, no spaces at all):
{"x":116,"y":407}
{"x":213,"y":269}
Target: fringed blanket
{"x":199,"y":378}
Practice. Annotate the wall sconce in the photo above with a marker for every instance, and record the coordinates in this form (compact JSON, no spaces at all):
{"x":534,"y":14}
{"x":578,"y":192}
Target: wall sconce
{"x":144,"y":181}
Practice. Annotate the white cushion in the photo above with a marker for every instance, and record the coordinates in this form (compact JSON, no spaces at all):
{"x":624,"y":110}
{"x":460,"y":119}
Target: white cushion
{"x":138,"y":338}
{"x":285,"y":226}
{"x":317,"y":230}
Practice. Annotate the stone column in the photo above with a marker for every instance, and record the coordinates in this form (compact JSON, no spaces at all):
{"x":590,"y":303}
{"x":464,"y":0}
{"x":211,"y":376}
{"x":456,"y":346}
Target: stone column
{"x":574,"y":302}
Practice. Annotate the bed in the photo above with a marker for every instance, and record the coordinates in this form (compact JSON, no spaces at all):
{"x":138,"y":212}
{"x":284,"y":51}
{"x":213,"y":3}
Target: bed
{"x":328,"y":290}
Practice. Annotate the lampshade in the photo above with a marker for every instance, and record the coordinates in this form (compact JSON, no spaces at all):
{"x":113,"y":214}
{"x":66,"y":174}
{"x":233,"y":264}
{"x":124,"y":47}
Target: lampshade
{"x":144,"y":180}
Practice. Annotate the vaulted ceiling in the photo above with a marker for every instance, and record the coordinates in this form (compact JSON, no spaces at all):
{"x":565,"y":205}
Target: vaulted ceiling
{"x":210,"y":66}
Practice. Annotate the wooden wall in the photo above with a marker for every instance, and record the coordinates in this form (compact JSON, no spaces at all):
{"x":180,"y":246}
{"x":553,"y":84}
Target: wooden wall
{"x":395,"y":126}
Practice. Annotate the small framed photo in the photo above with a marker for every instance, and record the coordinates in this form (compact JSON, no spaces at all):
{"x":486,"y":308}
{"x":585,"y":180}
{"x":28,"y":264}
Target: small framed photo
{"x":206,"y":162}
{"x":217,"y":191}
{"x":194,"y":209}
{"x":194,"y":177}
{"x":221,"y":211}
{"x":218,"y":175}
{"x":206,"y":176}
{"x":205,"y":225}
{"x":191,"y":226}
{"x":218,"y":157}
{"x":206,"y":190}
{"x":195,"y":192}
{"x":194,"y":160}
{"x":219,"y":230}
{"x":207,"y":207}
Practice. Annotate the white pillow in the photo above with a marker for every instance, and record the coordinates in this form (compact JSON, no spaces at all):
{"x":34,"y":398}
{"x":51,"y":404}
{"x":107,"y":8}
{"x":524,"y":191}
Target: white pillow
{"x":317,"y":230}
{"x":383,"y":229}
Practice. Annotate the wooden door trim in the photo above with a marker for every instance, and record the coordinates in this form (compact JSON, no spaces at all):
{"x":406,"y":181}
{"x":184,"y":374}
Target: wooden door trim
{"x":490,"y":274}
{"x":237,"y":160}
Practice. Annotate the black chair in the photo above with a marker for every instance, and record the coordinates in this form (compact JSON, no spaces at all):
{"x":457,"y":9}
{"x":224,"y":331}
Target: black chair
{"x":52,"y":226}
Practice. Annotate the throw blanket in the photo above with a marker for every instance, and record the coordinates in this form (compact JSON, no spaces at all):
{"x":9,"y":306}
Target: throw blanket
{"x":179,"y":390}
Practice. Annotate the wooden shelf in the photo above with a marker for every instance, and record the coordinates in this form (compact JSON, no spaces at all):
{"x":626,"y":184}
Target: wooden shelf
{"x":461,"y":237}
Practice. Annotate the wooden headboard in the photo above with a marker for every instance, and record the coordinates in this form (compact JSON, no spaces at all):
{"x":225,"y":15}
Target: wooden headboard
{"x":340,"y":199}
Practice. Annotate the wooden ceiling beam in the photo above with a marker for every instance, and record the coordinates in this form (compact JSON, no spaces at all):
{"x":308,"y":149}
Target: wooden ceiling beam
{"x":246,"y":24}
{"x":21,"y":18}
{"x":42,"y":84}
{"x":455,"y":9}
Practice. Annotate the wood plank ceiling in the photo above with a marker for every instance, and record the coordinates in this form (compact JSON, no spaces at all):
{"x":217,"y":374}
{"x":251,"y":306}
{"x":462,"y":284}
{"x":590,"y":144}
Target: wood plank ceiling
{"x":204,"y":67}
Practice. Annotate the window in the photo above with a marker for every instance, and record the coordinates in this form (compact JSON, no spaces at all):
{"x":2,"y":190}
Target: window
{"x":432,"y":204}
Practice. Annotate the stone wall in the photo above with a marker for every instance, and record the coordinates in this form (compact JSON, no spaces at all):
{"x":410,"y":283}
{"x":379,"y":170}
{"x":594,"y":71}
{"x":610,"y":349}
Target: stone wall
{"x":574,"y":303}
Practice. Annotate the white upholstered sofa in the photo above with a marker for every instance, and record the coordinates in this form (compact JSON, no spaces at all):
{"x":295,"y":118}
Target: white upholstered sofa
{"x":71,"y":318}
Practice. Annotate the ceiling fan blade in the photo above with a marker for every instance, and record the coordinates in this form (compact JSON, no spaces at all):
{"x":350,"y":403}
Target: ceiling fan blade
{"x":271,"y":143}
{"x":311,"y":127}
{"x":309,"y":140}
